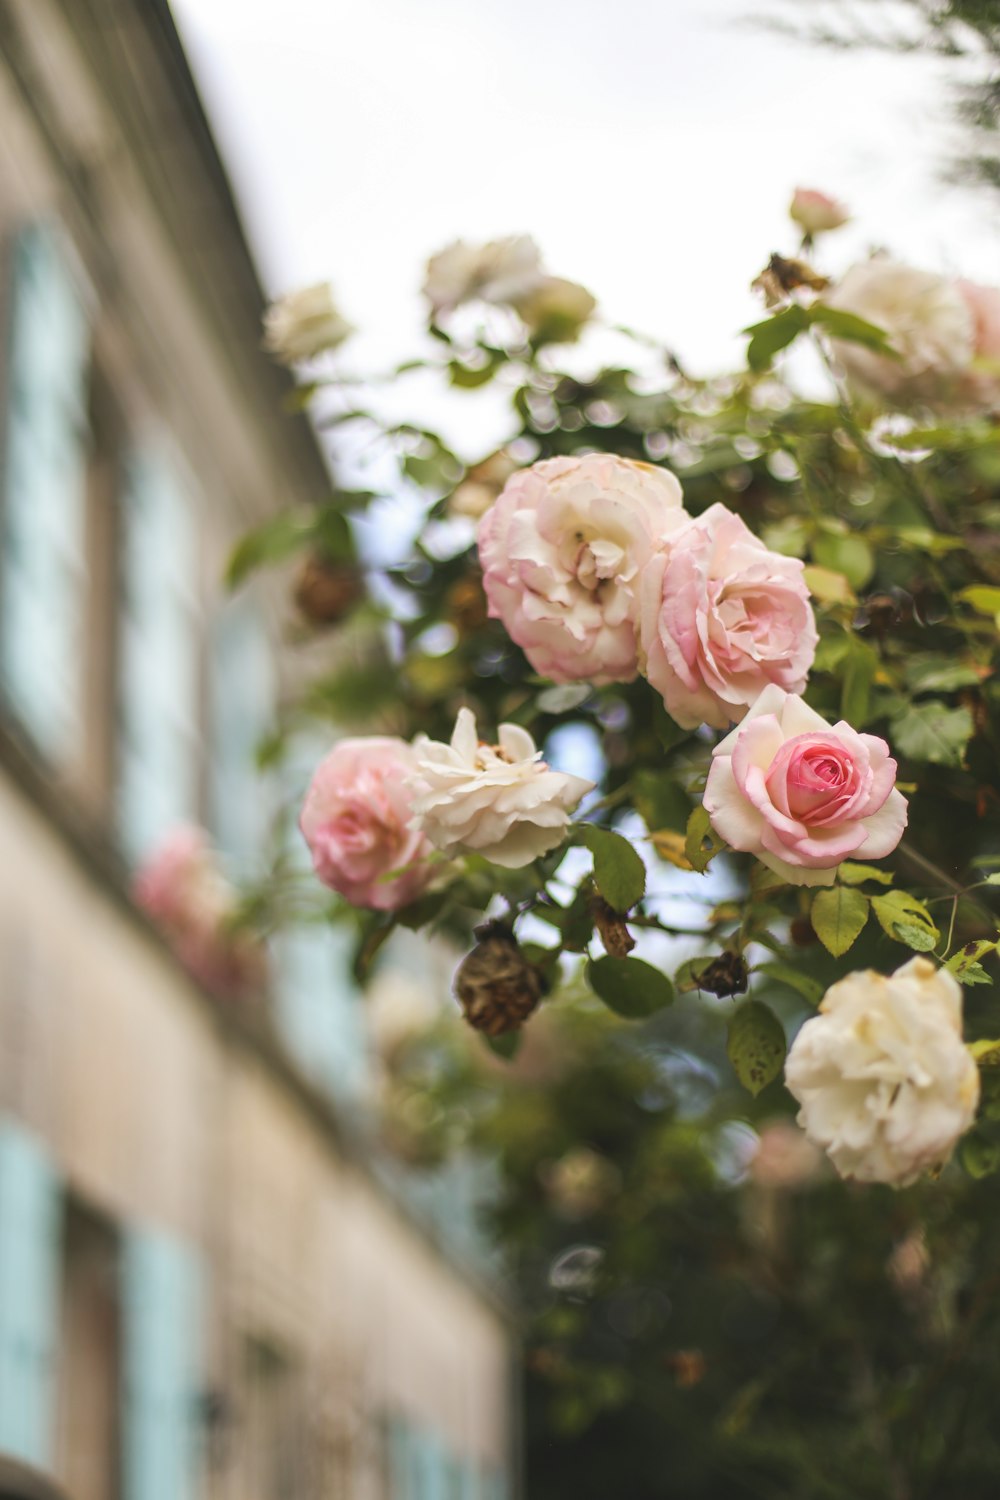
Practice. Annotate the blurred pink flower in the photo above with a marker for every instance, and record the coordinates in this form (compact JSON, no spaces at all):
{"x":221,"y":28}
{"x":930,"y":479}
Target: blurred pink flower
{"x":183,"y":891}
{"x":816,"y":212}
{"x":357,"y":819}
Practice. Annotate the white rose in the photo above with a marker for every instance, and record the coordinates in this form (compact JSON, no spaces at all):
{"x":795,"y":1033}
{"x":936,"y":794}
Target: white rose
{"x":501,"y":801}
{"x":927,"y":319}
{"x":557,"y":309}
{"x":500,"y":271}
{"x":884,"y":1080}
{"x":304,"y":324}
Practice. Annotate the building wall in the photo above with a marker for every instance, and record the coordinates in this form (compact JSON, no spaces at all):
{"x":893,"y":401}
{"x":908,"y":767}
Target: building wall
{"x":206,"y":1287}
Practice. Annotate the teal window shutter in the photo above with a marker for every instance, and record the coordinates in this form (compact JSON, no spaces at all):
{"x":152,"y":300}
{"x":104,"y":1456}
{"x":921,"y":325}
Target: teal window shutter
{"x":401,"y":1464}
{"x":44,"y":502}
{"x":242,"y":708}
{"x":158,"y":666}
{"x":30,"y":1254}
{"x":162,"y":1355}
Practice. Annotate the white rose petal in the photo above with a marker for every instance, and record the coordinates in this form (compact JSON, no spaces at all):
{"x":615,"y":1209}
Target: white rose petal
{"x":501,"y":801}
{"x":304,"y":324}
{"x":501,"y":271}
{"x":885,"y":1083}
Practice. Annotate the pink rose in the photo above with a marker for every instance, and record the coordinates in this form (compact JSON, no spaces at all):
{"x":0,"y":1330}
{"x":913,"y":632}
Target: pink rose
{"x":803,"y":795}
{"x":721,"y":617}
{"x":182,"y":889}
{"x":562,"y":551}
{"x":356,"y":820}
{"x":816,"y":212}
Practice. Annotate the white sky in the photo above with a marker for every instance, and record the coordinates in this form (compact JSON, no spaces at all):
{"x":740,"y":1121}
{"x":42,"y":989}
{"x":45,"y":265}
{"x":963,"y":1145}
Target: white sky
{"x":649,"y":145}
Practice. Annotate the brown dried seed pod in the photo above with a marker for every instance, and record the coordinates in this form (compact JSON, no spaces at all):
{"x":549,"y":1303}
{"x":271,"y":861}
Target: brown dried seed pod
{"x":615,"y":936}
{"x":725,"y":975}
{"x":325,"y":591}
{"x":496,"y":986}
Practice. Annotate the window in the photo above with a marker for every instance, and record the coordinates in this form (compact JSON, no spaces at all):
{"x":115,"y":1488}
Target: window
{"x":89,"y":1438}
{"x":158,"y":655}
{"x":278,"y":1452}
{"x":45,"y":491}
{"x":30,"y":1226}
{"x":242,"y":707}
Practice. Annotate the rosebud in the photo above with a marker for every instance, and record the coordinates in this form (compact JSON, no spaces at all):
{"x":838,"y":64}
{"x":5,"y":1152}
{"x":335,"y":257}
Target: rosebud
{"x":325,"y":591}
{"x":815,"y":213}
{"x":496,"y":985}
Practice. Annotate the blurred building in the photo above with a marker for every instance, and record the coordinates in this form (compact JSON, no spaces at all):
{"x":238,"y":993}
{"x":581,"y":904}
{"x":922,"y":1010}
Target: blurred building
{"x":211,"y":1284}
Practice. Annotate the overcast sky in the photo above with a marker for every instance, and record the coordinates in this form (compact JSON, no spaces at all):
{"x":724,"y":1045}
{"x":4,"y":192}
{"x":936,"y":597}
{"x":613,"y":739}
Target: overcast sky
{"x":649,"y":145}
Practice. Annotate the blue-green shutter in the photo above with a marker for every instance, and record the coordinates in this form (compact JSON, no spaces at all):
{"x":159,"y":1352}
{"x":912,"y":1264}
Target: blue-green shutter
{"x":242,"y":709}
{"x":162,"y":1362}
{"x":320,"y":1012}
{"x":470,"y":1480}
{"x":30,"y":1235}
{"x":401,"y":1461}
{"x":44,"y":501}
{"x":158,"y":666}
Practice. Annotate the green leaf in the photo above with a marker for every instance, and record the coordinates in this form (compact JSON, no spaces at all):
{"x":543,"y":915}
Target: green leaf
{"x":983,"y":599}
{"x":619,"y":873}
{"x":933,"y":733}
{"x":755,"y":1045}
{"x":860,"y":667}
{"x":838,"y":916}
{"x":701,"y":843}
{"x":805,"y":985}
{"x":846,"y":325}
{"x":774,"y":334}
{"x":985,"y":1053}
{"x":927,"y":673}
{"x":965,"y":964}
{"x":979,"y":1155}
{"x":907,"y":920}
{"x":630,"y":986}
{"x":273,"y":542}
{"x":506,"y":1046}
{"x":851,"y":874}
{"x":848,"y":554}
{"x":686,"y":978}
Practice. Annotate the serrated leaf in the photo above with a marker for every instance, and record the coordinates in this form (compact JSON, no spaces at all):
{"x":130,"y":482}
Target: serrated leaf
{"x":701,"y":843}
{"x":774,"y":334}
{"x":907,"y":920}
{"x":983,"y":599}
{"x":273,"y":542}
{"x":985,"y":1053}
{"x":927,"y":673}
{"x":850,"y":873}
{"x":755,"y":1045}
{"x":966,"y":961}
{"x":630,"y":986}
{"x":619,"y":873}
{"x":933,"y":733}
{"x":805,"y":985}
{"x":828,"y":587}
{"x":838,"y":915}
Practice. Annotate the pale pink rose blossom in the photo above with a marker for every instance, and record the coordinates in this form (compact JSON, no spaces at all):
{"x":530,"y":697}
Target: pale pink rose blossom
{"x":182,"y":889}
{"x":562,"y":551}
{"x":816,"y":212}
{"x":801,"y":794}
{"x":929,"y":325}
{"x":501,"y":801}
{"x":357,"y":820}
{"x":721,"y":617}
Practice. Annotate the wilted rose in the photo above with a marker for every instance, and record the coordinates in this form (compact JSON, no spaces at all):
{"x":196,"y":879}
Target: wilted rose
{"x":304,"y":324}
